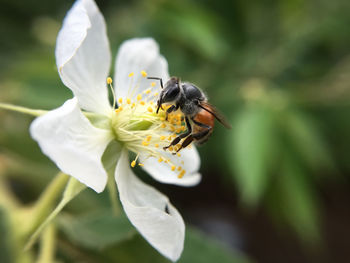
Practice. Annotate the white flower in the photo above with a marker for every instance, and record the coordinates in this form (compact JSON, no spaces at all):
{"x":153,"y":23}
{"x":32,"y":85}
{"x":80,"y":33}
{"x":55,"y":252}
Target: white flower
{"x":76,"y":142}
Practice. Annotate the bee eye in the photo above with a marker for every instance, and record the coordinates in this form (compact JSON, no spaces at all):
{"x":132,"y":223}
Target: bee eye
{"x":172,"y":92}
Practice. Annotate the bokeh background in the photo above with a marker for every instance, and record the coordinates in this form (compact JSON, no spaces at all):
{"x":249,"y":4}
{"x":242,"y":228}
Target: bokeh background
{"x":275,"y":187}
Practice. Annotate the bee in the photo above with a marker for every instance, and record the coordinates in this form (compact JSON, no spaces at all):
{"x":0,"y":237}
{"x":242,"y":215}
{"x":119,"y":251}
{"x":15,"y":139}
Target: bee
{"x":199,"y":115}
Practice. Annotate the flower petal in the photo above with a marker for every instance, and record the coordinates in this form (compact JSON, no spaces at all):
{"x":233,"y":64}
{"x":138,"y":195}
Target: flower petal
{"x":135,"y":55}
{"x":150,"y":212}
{"x":189,"y":161}
{"x":68,"y":138}
{"x":83,"y":57}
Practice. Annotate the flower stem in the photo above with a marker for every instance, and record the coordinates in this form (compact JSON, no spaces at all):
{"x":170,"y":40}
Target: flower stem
{"x":47,"y":245}
{"x":21,"y":109}
{"x":113,"y":193}
{"x":46,"y":201}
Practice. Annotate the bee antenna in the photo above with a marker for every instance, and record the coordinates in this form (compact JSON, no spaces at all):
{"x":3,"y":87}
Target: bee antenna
{"x":160,"y":80}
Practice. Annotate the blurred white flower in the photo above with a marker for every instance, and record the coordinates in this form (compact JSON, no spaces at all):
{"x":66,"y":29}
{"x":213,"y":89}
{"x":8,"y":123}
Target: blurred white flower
{"x":76,"y":142}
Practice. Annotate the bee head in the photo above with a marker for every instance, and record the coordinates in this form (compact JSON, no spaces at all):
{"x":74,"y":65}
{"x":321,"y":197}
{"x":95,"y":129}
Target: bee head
{"x":170,"y":92}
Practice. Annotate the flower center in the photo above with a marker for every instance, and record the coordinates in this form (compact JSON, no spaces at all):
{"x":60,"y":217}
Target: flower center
{"x":142,"y":131}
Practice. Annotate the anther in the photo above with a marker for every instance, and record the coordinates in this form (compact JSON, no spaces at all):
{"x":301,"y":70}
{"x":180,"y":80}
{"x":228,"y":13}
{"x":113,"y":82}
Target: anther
{"x":131,"y":74}
{"x":160,"y":159}
{"x":143,"y":73}
{"x":120,"y":100}
{"x":133,"y":163}
{"x":148,"y":138}
{"x":181,"y":174}
{"x":153,"y":84}
{"x":141,"y":164}
{"x":148,"y":91}
{"x":173,"y":168}
{"x":144,"y":143}
{"x":142,"y":102}
{"x":156,"y":145}
{"x":109,"y":80}
{"x":150,"y":109}
{"x":128,"y":101}
{"x":139,"y":97}
{"x":162,"y":137}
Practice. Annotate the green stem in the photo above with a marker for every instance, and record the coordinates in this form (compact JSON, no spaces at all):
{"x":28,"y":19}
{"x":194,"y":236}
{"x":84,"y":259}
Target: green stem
{"x":21,"y":109}
{"x":46,"y":201}
{"x":47,"y":245}
{"x":113,"y":194}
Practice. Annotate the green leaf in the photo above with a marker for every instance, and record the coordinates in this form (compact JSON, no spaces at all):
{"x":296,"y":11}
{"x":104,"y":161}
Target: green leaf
{"x":202,"y":248}
{"x":198,"y":248}
{"x":97,"y":230}
{"x":307,"y":141}
{"x":253,"y":148}
{"x":297,"y":201}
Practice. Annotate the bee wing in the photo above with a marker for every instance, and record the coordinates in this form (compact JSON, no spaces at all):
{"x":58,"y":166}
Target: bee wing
{"x":216,"y":113}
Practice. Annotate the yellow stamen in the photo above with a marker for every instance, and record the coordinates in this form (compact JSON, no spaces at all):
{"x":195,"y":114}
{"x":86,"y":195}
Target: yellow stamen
{"x":160,"y":159}
{"x":179,"y":168}
{"x":139,"y":97}
{"x":142,"y":102}
{"x":131,"y":74}
{"x":153,"y":84}
{"x":148,"y":91}
{"x":120,"y":100}
{"x":145,"y":143}
{"x":150,"y":109}
{"x":156,"y":94}
{"x":143,"y":73}
{"x":178,"y":154}
{"x":109,"y":80}
{"x":133,"y":163}
{"x":128,"y":101}
{"x":148,"y":138}
{"x":156,"y":145}
{"x":162,"y":137}
{"x":181,"y":174}
{"x":173,"y":168}
{"x":141,"y":164}
{"x":163,"y":125}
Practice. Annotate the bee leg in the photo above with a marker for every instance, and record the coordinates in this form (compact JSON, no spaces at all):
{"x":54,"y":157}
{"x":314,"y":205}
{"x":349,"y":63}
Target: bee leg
{"x":170,"y":109}
{"x":181,"y":136}
{"x":203,"y":133}
{"x":185,"y":143}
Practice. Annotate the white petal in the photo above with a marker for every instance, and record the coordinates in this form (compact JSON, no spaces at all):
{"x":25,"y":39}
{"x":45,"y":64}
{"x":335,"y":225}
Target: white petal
{"x":83,"y":57}
{"x":146,"y":209}
{"x":68,"y":138}
{"x":189,"y":160}
{"x":134,"y":56}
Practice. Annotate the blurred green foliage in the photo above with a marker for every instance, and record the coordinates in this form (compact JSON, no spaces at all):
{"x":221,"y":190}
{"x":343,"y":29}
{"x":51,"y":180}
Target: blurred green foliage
{"x":278,"y":69}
